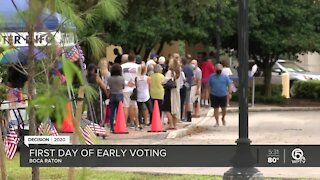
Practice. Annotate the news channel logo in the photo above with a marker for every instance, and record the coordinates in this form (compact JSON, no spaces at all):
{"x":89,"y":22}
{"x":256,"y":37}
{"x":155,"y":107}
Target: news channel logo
{"x":273,"y":156}
{"x":297,"y":155}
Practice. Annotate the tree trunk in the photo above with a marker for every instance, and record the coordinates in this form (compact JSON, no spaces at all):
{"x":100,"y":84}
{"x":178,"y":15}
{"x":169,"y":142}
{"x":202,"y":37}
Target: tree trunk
{"x":146,"y":54}
{"x":160,"y":47}
{"x":2,"y":153}
{"x":138,"y":50}
{"x":31,"y":84}
{"x":267,"y":79}
{"x":76,"y":124}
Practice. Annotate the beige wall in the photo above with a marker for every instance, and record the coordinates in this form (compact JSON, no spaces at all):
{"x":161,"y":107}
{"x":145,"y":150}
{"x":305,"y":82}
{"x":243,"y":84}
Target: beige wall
{"x":194,"y":49}
{"x":172,"y":47}
{"x":310,"y":61}
{"x":169,"y":48}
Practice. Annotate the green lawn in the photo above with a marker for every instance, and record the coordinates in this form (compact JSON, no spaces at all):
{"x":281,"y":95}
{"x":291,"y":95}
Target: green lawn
{"x":14,"y":172}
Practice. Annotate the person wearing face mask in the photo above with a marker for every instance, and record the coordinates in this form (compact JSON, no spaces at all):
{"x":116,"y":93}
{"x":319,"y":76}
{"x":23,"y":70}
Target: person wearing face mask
{"x":196,"y":88}
{"x":220,"y":86}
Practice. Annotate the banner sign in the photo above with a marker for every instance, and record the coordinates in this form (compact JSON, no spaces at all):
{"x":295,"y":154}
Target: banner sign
{"x":164,"y":155}
{"x":20,"y":39}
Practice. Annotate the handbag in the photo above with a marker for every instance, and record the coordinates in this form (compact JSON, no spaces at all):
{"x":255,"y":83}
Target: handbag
{"x":170,"y":84}
{"x":134,"y":95}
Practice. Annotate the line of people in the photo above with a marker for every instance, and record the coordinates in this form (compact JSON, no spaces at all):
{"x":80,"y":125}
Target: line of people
{"x":179,"y":85}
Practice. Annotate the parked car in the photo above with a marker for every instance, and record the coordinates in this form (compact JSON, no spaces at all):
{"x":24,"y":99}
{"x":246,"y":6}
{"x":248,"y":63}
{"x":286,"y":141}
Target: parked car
{"x":295,"y":71}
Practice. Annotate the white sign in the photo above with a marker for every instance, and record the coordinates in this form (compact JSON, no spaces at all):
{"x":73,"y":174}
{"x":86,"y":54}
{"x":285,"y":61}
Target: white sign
{"x":54,"y":140}
{"x":20,"y":39}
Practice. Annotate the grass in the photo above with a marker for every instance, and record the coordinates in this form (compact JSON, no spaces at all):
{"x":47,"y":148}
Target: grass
{"x":14,"y":172}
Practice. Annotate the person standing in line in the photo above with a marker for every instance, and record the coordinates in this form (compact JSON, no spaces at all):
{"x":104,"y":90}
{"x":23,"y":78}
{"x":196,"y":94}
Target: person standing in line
{"x":156,"y":87}
{"x":152,"y":60}
{"x":139,"y":59}
{"x":227,"y":71}
{"x":96,"y":82}
{"x":150,"y":69}
{"x":129,"y":73}
{"x":186,"y":100}
{"x":220,"y":87}
{"x":124,"y":58}
{"x":171,"y":102}
{"x":162,"y":63}
{"x":118,"y":56}
{"x":116,"y":86}
{"x":207,"y":69}
{"x":143,"y":98}
{"x":105,"y":74}
{"x":196,"y":88}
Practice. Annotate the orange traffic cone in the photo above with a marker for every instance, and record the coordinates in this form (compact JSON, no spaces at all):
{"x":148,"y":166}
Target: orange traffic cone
{"x":156,"y":124}
{"x":67,"y":125}
{"x":120,"y":127}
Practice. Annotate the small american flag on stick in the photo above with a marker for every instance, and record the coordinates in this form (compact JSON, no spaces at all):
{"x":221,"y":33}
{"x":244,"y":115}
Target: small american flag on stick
{"x":73,"y":54}
{"x":47,"y":128}
{"x":97,"y":129}
{"x":11,"y":143}
{"x":88,"y":135}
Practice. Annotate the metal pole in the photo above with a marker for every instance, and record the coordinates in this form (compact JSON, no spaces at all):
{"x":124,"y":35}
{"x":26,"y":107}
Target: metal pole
{"x":243,"y":161}
{"x":253,"y":90}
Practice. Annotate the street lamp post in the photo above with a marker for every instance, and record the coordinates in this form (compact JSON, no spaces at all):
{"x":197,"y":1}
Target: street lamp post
{"x":243,"y":161}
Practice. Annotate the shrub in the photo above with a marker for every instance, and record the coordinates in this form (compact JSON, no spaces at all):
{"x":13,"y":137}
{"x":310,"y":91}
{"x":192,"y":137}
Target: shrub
{"x":275,"y":97}
{"x":307,"y":89}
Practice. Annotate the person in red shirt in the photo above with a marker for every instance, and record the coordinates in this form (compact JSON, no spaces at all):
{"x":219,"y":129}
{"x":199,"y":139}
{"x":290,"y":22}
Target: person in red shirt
{"x":207,"y":69}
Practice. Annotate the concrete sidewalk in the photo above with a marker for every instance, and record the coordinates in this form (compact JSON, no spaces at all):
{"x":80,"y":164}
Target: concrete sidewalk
{"x":208,"y":112}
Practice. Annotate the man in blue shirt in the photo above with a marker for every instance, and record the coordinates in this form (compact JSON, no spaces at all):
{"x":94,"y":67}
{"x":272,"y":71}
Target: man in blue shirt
{"x":220,"y":88}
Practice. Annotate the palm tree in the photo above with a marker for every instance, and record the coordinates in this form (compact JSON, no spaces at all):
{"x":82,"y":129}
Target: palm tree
{"x":107,"y":9}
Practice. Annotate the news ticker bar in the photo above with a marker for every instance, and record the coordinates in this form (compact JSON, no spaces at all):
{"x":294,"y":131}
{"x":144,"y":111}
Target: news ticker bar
{"x":165,"y":155}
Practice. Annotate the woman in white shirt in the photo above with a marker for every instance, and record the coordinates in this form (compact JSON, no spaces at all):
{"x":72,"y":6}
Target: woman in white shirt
{"x":227,"y":71}
{"x":171,"y":102}
{"x":143,"y":96}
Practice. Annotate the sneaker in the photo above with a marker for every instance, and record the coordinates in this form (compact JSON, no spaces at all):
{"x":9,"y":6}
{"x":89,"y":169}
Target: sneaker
{"x":216,"y":125}
{"x":138,"y":128}
{"x":131,"y":126}
{"x":224,"y":122}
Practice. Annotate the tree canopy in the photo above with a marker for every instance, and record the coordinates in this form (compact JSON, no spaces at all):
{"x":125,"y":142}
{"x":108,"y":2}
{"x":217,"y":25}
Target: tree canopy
{"x":278,"y":28}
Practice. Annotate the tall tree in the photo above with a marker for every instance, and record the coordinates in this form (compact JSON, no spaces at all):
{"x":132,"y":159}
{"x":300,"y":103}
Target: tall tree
{"x":148,"y":23}
{"x":277,"y":28}
{"x":95,"y":14}
{"x":55,"y":94}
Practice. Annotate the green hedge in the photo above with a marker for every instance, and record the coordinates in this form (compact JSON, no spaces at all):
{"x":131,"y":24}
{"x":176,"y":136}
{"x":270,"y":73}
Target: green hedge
{"x":275,"y":98}
{"x":307,"y":89}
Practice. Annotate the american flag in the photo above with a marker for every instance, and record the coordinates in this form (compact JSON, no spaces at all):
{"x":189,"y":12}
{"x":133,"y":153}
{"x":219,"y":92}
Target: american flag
{"x":11,"y":143}
{"x":97,"y":129}
{"x":47,"y":128}
{"x":73,"y":54}
{"x":88,"y":135}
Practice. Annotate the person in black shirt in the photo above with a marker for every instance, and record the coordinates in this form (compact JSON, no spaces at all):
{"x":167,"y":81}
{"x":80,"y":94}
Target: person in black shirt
{"x":118,"y":56}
